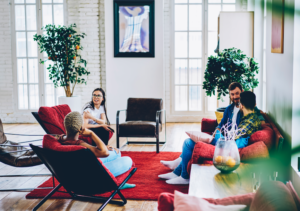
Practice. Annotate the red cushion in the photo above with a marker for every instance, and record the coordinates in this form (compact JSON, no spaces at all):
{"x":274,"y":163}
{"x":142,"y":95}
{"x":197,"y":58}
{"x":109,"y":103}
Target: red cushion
{"x":273,"y":196}
{"x":53,"y":118}
{"x":87,"y":139}
{"x":266,"y":135}
{"x":208,"y":125}
{"x":254,"y":151}
{"x":50,"y":142}
{"x":166,"y":201}
{"x":278,"y":136}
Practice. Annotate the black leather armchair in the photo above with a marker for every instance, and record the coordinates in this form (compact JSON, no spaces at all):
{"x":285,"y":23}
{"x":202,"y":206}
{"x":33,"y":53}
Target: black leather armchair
{"x":143,"y":119}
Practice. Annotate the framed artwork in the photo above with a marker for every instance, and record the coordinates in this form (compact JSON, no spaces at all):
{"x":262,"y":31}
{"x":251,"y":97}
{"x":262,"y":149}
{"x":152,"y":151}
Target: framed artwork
{"x":277,"y":26}
{"x":134,"y":28}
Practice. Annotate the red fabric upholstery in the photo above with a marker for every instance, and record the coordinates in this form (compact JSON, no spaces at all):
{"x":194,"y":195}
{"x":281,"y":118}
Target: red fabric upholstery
{"x":50,"y":142}
{"x":275,"y":129}
{"x":166,"y":201}
{"x":53,"y":118}
{"x":254,"y":151}
{"x":266,"y":135}
{"x":208,"y":125}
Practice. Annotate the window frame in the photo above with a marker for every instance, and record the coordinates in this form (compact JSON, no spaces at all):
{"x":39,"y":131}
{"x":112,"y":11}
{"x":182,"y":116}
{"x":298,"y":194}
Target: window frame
{"x":204,"y":57}
{"x":41,"y":73}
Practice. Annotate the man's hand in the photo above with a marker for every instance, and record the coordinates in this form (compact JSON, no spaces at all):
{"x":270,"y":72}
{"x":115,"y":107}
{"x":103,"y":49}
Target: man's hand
{"x":213,"y":135}
{"x":87,"y":115}
{"x":110,"y":148}
{"x":85,"y":132}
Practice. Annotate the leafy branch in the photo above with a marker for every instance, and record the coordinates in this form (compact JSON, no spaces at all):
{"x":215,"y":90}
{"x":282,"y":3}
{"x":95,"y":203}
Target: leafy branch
{"x":62,"y":46}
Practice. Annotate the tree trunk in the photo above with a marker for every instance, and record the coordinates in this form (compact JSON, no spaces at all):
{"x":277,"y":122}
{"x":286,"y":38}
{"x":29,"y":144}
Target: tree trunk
{"x":68,"y":91}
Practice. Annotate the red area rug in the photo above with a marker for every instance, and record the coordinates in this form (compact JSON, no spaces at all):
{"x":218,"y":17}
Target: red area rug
{"x":148,"y":185}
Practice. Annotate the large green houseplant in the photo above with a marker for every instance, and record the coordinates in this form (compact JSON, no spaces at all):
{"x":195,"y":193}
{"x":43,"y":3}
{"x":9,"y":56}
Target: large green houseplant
{"x":230,"y":65}
{"x":62,"y":46}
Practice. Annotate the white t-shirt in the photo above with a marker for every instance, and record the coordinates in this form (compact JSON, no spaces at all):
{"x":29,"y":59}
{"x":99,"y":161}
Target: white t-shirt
{"x":235,"y":112}
{"x":96,"y":113}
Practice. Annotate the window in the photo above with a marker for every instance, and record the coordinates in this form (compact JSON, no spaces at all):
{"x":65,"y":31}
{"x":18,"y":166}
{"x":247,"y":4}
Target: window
{"x":264,"y":69}
{"x":32,"y":82}
{"x":195,"y":38}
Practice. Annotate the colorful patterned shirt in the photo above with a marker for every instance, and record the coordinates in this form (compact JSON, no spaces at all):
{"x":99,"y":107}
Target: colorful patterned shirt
{"x":250,"y":124}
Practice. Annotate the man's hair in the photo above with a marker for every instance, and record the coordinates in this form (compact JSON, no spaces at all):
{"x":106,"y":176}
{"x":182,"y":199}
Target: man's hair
{"x":248,"y":99}
{"x":233,"y":85}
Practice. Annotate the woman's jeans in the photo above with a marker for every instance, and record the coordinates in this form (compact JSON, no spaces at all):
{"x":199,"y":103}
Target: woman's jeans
{"x":116,"y":164}
{"x":187,"y":151}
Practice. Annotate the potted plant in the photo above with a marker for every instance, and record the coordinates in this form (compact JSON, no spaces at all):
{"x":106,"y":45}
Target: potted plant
{"x":62,"y":46}
{"x":229,"y":65}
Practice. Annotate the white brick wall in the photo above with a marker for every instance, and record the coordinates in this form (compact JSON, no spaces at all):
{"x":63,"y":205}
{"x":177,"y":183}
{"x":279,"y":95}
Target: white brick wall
{"x":89,"y":15}
{"x":86,"y":14}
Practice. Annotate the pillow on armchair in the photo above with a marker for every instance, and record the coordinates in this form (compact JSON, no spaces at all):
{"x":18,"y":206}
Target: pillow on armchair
{"x":265,"y":135}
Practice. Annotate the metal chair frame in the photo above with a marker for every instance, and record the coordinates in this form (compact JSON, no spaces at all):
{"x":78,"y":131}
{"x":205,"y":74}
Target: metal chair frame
{"x":157,"y":142}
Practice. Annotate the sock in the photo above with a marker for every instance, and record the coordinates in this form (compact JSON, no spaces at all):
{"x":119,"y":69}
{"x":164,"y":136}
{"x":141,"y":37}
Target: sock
{"x":170,"y":175}
{"x":126,"y":185}
{"x":171,"y":164}
{"x":178,"y":181}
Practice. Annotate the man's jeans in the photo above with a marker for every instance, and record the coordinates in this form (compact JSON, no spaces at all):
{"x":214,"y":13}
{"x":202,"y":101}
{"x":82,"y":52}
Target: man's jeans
{"x":116,"y":164}
{"x":188,"y":148}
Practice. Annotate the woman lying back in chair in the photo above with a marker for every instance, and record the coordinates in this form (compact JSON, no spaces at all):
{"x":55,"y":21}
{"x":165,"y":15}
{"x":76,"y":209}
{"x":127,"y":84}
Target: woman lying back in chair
{"x":110,"y":157}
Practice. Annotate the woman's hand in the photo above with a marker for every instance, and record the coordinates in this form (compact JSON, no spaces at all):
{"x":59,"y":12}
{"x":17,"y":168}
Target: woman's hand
{"x":88,"y":115}
{"x":106,"y":127}
{"x":85,"y":132}
{"x":110,"y":148}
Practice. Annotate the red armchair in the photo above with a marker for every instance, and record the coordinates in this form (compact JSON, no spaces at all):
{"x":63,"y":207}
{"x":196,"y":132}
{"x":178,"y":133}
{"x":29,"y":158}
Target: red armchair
{"x":260,"y":143}
{"x":52,"y":120}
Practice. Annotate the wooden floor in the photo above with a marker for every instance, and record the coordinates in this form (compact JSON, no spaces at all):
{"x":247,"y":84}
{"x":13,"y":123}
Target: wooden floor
{"x":16,"y":200}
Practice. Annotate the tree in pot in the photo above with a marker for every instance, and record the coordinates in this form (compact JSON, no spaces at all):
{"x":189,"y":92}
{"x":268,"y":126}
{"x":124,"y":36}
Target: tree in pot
{"x":62,"y":45}
{"x":230,"y":65}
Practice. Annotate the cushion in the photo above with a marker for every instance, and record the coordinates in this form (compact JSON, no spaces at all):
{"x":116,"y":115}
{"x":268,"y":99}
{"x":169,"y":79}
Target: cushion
{"x":208,"y":125}
{"x":53,"y":118}
{"x":266,"y":135}
{"x":138,"y":128}
{"x":273,"y":196}
{"x":143,"y":109}
{"x":278,"y":136}
{"x":254,"y":151}
{"x":219,"y":116}
{"x":197,"y":136}
{"x":184,"y":202}
{"x":50,"y":142}
{"x":165,"y":202}
{"x":296,"y":198}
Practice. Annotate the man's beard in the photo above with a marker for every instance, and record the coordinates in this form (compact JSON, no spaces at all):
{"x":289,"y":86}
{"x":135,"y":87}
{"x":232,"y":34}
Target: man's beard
{"x":236,"y":101}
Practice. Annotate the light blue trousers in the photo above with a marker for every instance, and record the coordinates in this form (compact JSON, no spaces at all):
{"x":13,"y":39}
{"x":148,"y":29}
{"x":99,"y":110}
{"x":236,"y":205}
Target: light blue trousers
{"x":116,"y":164}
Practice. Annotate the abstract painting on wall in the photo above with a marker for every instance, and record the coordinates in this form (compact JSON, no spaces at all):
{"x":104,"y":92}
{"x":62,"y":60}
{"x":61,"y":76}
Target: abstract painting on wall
{"x":134,"y":28}
{"x":277,"y":26}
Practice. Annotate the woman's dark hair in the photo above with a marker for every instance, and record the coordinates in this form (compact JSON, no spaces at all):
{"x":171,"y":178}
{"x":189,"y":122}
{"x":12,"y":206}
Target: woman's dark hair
{"x":248,"y":99}
{"x":91,"y":103}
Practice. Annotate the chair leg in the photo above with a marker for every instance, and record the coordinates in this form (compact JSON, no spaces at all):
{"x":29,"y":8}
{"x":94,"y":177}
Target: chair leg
{"x":122,"y":197}
{"x":107,"y":201}
{"x":117,"y":140}
{"x":157,"y":144}
{"x":46,"y":198}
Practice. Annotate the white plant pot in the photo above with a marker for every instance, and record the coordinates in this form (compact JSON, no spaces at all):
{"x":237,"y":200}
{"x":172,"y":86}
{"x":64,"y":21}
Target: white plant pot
{"x":73,"y":102}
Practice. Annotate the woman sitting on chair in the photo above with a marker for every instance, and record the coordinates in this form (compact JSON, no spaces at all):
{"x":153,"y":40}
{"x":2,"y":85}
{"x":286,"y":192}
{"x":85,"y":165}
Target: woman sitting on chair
{"x":110,"y":157}
{"x":95,"y":116}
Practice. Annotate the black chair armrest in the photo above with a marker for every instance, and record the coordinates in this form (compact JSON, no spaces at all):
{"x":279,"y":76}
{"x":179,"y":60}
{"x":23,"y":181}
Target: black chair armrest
{"x":117,"y":122}
{"x":158,"y":118}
